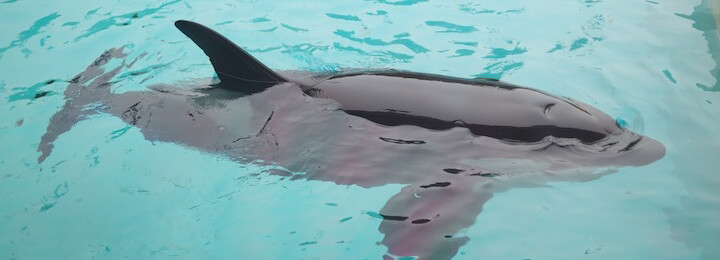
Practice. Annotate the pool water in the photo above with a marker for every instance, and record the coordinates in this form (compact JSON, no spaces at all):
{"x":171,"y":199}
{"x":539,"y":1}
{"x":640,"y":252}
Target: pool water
{"x":108,"y":193}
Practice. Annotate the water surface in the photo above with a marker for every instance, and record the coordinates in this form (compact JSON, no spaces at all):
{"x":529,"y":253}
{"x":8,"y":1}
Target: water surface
{"x":108,"y":193}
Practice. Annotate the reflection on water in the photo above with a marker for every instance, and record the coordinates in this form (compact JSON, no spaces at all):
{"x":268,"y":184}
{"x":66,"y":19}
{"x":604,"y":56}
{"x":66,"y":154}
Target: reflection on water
{"x":706,"y":18}
{"x":696,"y":167}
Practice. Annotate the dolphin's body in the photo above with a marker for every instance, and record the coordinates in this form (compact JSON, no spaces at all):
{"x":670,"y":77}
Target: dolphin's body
{"x":453,"y":141}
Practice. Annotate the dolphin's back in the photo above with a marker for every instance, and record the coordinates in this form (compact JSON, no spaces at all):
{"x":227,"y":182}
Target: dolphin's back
{"x":486,"y":107}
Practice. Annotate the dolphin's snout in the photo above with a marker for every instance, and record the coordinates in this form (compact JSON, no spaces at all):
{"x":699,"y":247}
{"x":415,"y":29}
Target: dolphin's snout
{"x":642,"y":151}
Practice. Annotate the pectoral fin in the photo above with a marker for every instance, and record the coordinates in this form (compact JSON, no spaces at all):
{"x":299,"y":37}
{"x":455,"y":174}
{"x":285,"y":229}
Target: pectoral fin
{"x":423,"y":219}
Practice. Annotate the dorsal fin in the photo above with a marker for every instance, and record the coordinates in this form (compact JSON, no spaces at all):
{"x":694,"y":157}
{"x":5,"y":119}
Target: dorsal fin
{"x":236,"y":69}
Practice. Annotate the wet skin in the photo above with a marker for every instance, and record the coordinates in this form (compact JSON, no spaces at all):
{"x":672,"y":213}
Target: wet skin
{"x":454,"y":142}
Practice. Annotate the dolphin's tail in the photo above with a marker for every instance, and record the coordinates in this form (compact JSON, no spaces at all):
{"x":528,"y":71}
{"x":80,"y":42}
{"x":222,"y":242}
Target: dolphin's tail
{"x":82,"y":98}
{"x":236,"y":69}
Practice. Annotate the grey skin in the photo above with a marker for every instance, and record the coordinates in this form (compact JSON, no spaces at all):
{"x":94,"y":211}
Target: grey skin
{"x":454,"y":142}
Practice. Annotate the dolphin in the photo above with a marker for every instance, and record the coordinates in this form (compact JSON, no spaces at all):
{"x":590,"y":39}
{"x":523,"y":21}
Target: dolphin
{"x":453,"y":142}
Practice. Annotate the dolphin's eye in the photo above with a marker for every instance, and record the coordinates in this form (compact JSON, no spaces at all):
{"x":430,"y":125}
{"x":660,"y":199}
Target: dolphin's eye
{"x":622,"y":124}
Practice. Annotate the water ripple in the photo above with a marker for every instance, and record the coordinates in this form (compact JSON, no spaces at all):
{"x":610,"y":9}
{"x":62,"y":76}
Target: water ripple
{"x":414,"y":47}
{"x":462,"y":53}
{"x":378,"y":12}
{"x":401,"y":2}
{"x":471,"y":44}
{"x":32,"y":92}
{"x":451,"y":27}
{"x":383,"y":56}
{"x":579,"y":43}
{"x":498,"y":69}
{"x":223,"y":23}
{"x":590,"y":3}
{"x":592,"y":31}
{"x":345,"y":17}
{"x":23,"y":36}
{"x":498,"y":53}
{"x":293,"y":28}
{"x":476,"y":9}
{"x":260,"y":20}
{"x":126,"y":18}
{"x":556,"y":48}
{"x":269,"y":29}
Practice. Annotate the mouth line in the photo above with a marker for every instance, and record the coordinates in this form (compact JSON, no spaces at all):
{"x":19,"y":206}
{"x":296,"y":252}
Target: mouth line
{"x":631,"y":145}
{"x":600,"y":146}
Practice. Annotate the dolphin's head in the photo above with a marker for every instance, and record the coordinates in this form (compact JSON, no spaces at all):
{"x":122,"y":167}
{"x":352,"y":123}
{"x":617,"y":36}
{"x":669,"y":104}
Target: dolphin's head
{"x":602,"y":135}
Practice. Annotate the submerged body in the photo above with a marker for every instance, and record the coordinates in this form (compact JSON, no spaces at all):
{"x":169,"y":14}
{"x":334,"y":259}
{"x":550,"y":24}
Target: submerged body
{"x":453,"y":141}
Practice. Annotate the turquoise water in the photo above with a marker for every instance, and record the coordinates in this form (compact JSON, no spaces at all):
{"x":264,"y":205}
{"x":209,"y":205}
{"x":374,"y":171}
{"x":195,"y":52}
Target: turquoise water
{"x":107,"y":193}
